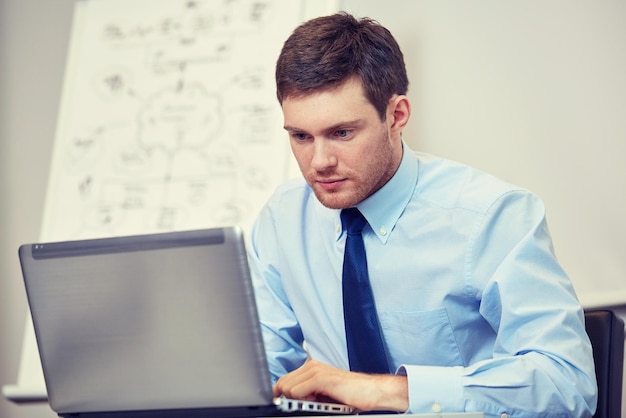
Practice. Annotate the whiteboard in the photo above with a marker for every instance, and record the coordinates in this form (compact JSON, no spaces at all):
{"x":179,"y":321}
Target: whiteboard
{"x":168,"y":121}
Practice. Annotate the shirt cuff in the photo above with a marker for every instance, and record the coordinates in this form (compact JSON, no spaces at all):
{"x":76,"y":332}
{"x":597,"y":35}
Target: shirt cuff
{"x":434,"y":389}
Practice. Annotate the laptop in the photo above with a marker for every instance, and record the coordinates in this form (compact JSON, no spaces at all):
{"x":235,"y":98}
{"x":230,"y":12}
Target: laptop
{"x":158,"y":325}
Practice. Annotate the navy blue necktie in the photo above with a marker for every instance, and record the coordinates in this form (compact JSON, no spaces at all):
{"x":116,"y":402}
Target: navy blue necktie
{"x":366,"y":351}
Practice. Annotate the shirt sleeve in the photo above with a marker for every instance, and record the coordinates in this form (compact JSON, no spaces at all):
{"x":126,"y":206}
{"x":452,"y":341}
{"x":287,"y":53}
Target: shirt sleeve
{"x":542,"y":363}
{"x":282,"y":335}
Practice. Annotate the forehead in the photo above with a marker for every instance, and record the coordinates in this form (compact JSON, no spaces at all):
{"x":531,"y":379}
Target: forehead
{"x":346,"y":102}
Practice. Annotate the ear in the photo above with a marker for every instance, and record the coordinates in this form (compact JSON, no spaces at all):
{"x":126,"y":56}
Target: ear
{"x":398,"y":114}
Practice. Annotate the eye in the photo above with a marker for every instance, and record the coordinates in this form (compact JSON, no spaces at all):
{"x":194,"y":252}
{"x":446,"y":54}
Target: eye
{"x":297,"y":136}
{"x":343,"y":133}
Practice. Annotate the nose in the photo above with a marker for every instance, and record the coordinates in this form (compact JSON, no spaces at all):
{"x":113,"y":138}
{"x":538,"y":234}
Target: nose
{"x":323,"y":156}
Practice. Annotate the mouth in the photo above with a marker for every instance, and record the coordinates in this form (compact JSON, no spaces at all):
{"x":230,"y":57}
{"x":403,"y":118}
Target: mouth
{"x":330,"y":185}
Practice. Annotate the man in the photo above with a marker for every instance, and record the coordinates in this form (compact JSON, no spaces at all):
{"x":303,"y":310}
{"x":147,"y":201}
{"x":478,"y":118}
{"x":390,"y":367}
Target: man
{"x":472,"y":310}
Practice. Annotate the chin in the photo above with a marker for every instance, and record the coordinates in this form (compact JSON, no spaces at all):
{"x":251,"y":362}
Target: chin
{"x":335,"y":200}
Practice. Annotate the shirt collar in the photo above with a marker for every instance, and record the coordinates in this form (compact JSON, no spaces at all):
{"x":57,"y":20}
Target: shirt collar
{"x":383,"y":209}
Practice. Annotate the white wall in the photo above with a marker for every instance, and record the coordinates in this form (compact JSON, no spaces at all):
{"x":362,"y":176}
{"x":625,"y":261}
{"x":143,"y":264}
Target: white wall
{"x":33,"y":42}
{"x":511,"y":87}
{"x":535,"y":93}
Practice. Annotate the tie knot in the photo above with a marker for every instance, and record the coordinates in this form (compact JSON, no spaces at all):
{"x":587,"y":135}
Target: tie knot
{"x":353,"y":220}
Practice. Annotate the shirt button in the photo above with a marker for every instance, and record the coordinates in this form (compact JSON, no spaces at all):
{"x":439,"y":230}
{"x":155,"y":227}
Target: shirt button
{"x":504,"y":415}
{"x":383,"y":231}
{"x":337,"y":228}
{"x":436,"y":407}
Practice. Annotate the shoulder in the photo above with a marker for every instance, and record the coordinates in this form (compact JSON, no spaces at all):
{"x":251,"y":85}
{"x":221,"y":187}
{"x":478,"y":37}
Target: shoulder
{"x":288,"y":204}
{"x":450,"y":184}
{"x":290,"y":193}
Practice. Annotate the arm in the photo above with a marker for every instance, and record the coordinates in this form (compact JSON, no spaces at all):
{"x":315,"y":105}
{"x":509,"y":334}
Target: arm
{"x":283,"y":341}
{"x":284,"y":348}
{"x":541,"y":363}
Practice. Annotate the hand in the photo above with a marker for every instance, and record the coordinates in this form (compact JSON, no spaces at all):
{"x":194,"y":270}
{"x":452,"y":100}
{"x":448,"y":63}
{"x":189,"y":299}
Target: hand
{"x":315,"y":381}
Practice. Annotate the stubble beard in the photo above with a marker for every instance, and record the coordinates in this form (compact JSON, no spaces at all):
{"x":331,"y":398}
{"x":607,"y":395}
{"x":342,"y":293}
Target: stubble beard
{"x":359,"y":187}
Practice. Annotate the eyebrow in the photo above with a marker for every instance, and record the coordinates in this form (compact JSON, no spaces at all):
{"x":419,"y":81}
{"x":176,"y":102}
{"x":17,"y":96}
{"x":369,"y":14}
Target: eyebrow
{"x":341,"y":125}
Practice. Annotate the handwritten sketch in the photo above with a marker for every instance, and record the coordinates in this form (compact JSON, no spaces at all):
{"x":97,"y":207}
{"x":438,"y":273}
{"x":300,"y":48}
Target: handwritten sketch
{"x":169,"y":118}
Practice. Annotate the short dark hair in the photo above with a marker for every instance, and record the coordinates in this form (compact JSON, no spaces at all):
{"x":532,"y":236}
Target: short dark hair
{"x":324,"y":52}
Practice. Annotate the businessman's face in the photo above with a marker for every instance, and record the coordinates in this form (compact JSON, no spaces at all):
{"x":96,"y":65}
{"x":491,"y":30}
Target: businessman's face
{"x":344,"y":150}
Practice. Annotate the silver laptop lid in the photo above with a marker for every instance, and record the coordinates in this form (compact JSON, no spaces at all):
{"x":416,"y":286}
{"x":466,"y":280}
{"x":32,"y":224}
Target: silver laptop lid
{"x":163,"y":321}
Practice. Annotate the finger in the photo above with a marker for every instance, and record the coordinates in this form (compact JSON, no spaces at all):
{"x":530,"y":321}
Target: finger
{"x":302,"y":383}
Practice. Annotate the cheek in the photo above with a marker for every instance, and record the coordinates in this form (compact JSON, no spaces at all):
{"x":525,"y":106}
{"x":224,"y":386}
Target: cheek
{"x":301,"y":156}
{"x":378,"y":160}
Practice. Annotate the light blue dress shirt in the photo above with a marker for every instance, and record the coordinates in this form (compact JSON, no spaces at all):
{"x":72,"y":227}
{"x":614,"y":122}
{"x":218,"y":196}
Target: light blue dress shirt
{"x":473,"y":305}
